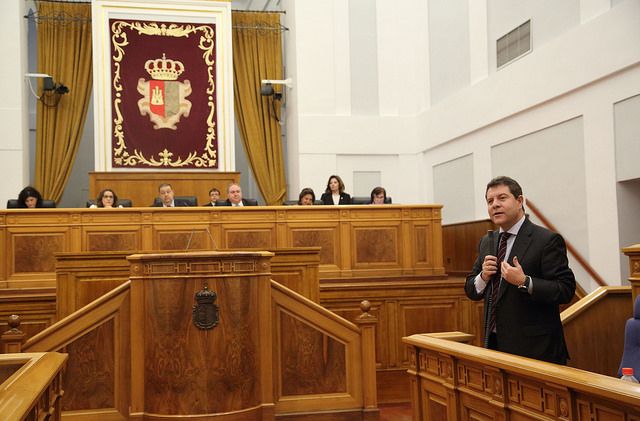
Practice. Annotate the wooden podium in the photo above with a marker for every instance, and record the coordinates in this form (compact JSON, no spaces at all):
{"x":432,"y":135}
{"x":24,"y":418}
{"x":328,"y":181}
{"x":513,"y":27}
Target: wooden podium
{"x":180,"y":370}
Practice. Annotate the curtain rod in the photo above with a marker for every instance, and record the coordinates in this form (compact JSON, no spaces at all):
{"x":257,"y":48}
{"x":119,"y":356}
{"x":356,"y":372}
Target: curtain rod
{"x":61,"y":17}
{"x":279,"y":28}
{"x":282,"y":12}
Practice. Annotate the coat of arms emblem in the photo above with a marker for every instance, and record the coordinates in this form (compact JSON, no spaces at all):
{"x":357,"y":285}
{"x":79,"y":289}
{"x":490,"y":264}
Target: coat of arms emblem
{"x":164,"y":97}
{"x":205,"y":311}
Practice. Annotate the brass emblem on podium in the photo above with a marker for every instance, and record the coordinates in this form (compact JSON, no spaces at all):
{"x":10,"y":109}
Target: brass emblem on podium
{"x":205,"y":311}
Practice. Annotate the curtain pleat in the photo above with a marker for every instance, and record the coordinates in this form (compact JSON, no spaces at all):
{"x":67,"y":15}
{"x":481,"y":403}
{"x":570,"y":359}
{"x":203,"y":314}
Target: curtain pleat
{"x":64,"y":52}
{"x":257,"y":55}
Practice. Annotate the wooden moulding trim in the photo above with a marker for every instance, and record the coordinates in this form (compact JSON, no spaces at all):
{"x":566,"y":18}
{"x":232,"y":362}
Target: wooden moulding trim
{"x":586,"y":303}
{"x":581,"y":260}
{"x":83,"y":320}
{"x":282,"y":296}
{"x":552,"y":374}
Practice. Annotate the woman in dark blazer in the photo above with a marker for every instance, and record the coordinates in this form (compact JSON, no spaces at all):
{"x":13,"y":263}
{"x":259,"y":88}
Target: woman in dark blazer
{"x":334,"y":193}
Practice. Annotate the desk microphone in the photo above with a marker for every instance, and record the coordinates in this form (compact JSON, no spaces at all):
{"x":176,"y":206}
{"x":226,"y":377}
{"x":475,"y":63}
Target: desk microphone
{"x":213,"y":241}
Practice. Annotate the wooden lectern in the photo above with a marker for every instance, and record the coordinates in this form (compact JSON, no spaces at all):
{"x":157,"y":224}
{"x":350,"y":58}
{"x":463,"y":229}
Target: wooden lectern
{"x":181,"y":366}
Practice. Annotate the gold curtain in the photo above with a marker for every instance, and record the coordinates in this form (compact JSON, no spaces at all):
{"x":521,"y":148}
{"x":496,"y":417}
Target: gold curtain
{"x":257,"y":55}
{"x":64,"y":52}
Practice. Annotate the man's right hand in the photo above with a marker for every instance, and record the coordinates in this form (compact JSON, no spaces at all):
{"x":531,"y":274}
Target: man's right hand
{"x":489,"y":267}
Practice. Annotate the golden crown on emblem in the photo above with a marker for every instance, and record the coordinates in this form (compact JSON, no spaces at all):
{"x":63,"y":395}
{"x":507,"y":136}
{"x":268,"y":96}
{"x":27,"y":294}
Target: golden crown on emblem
{"x":164,"y":68}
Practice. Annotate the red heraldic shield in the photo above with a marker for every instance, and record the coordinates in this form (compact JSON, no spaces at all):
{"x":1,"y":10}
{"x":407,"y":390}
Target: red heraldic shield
{"x":157,"y":97}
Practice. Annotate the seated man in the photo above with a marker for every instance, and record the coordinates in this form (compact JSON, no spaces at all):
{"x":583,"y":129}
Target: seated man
{"x":214,"y":196}
{"x":234,"y":197}
{"x":167,"y":200}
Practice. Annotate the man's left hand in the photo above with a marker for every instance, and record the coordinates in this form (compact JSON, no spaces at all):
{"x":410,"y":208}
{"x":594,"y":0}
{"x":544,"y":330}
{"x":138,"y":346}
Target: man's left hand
{"x":512,"y":274}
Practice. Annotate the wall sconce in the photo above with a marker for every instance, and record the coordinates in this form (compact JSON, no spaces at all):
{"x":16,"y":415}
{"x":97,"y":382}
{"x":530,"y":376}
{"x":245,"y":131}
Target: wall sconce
{"x":51,"y":91}
{"x":266,"y":89}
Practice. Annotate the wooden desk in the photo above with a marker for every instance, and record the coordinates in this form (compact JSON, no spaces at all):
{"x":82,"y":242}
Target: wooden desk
{"x":355,"y":241}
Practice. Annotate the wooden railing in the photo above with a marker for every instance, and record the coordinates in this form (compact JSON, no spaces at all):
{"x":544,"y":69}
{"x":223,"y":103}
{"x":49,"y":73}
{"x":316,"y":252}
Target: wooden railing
{"x":594,"y":329}
{"x":570,"y":248}
{"x":455,"y":381}
{"x":31,"y":386}
{"x":355,"y":365}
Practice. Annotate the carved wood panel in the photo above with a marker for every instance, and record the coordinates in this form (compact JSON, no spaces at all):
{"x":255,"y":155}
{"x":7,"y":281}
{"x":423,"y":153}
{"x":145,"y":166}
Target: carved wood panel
{"x":252,"y":237}
{"x":182,"y":239}
{"x":326,"y":238}
{"x":188,"y":370}
{"x":375,"y":245}
{"x":113,"y":241}
{"x":34,"y":252}
{"x":89,"y":377}
{"x":311,"y":361}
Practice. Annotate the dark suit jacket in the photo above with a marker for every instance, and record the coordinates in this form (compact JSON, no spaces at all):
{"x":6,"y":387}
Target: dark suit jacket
{"x":178,"y":203}
{"x":529,"y":324}
{"x":245,"y":202}
{"x":211,"y":204}
{"x":345,"y":199}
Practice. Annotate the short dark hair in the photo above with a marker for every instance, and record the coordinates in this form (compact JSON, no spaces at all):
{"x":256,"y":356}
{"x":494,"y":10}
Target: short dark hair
{"x":29,"y":192}
{"x":376,"y":191}
{"x":101,"y":195}
{"x":165,"y":185}
{"x":305,"y":192}
{"x":340,"y":184}
{"x":212,"y":190}
{"x":503,"y":180}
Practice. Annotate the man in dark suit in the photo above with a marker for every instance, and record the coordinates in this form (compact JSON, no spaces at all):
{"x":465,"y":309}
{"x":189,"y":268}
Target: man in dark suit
{"x":522,"y":292}
{"x":234,"y":197}
{"x":165,"y":191}
{"x":214,"y":196}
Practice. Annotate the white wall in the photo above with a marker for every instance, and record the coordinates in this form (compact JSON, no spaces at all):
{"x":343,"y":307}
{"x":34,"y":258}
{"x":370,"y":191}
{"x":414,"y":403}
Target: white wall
{"x":627,"y":138}
{"x":14,"y":147}
{"x":585,"y":60}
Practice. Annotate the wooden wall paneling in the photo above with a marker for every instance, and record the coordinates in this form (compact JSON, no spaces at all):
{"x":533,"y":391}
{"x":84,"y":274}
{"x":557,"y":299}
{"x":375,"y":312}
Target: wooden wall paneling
{"x":181,"y":237}
{"x":109,"y":238}
{"x":377,"y":246}
{"x":5,"y":255}
{"x":345,"y":244}
{"x":297,"y":268}
{"x":84,"y":277}
{"x":36,"y":308}
{"x":325,"y":235}
{"x":460,"y":244}
{"x":252,"y":236}
{"x":142,"y":186}
{"x":32,"y":254}
{"x":422,"y":315}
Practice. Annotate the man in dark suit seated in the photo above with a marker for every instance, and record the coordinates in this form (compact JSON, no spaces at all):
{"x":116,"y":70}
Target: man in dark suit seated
{"x":214,"y":196}
{"x":165,"y":191}
{"x":523,"y":275}
{"x":234,"y":197}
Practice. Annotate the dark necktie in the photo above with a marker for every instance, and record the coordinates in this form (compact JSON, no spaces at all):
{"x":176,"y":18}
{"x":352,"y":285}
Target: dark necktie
{"x":495,"y":281}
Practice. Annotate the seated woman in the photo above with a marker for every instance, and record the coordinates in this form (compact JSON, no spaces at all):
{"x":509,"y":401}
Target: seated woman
{"x":107,"y":198}
{"x":334,"y":193}
{"x":306,"y":197}
{"x":29,"y":198}
{"x":378,"y":196}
